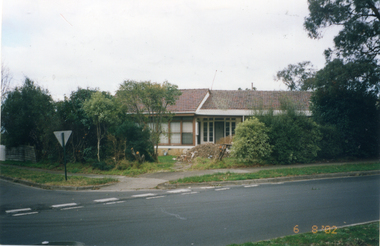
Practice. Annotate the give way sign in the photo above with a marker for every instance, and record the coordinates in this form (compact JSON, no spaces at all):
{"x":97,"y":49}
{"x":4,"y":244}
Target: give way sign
{"x":66,"y":136}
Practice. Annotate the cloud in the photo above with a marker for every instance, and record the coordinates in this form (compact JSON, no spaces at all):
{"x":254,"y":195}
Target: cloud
{"x":65,"y":44}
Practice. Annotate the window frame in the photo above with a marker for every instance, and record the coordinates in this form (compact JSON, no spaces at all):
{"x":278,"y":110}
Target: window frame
{"x":229,"y":127}
{"x":181,"y":133}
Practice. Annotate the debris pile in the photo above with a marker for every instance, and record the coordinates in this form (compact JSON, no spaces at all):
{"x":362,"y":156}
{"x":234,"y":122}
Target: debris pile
{"x":208,"y":150}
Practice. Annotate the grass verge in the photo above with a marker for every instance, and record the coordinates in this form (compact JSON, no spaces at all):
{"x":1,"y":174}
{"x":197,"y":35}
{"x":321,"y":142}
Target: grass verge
{"x":281,"y":172}
{"x":367,"y":234}
{"x":129,"y":169}
{"x":52,"y":179}
{"x":200,"y":163}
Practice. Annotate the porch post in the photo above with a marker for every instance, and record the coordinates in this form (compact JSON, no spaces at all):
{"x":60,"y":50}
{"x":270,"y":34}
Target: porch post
{"x":194,"y":132}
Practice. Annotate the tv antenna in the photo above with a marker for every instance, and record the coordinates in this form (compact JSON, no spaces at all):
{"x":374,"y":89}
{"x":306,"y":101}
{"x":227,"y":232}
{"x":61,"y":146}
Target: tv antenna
{"x":213,"y":79}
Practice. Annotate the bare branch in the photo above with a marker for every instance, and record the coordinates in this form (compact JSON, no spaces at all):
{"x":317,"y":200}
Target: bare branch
{"x":6,"y":80}
{"x":374,"y":9}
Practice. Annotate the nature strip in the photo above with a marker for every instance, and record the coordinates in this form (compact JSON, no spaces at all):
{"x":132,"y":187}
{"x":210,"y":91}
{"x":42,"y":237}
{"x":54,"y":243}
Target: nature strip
{"x":54,"y":187}
{"x":168,"y":185}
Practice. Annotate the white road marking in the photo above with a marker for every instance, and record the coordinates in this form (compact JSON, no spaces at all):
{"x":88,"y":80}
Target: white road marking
{"x":25,"y":214}
{"x":72,"y":208}
{"x":248,"y":186}
{"x":107,"y":200}
{"x":109,"y":203}
{"x":148,"y":198}
{"x":279,"y":183}
{"x":208,"y":187}
{"x":64,"y":205}
{"x":190,"y":193}
{"x":222,"y":189}
{"x":179,"y":191}
{"x":18,"y":210}
{"x":144,"y":195}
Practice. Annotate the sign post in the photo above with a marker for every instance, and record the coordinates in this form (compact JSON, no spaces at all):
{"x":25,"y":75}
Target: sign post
{"x":62,"y":137}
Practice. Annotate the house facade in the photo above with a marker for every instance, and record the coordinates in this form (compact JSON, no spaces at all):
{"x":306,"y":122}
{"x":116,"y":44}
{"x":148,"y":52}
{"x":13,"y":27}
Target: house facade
{"x":206,"y":116}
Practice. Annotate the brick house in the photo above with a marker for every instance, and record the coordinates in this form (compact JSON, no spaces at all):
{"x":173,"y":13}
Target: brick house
{"x":205,"y":116}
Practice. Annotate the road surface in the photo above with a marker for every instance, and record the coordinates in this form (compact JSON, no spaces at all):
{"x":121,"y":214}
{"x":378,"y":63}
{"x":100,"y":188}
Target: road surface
{"x":201,"y":216}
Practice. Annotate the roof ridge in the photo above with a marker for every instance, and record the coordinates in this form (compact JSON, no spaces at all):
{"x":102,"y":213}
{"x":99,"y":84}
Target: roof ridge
{"x":195,"y":89}
{"x":261,"y":91}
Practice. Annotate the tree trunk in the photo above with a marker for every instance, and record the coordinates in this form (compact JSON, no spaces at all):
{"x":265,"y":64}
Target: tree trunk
{"x":99,"y":138}
{"x":155,"y":157}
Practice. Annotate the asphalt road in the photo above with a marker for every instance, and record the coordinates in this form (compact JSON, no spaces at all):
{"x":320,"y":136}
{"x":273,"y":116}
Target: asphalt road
{"x":214,"y":216}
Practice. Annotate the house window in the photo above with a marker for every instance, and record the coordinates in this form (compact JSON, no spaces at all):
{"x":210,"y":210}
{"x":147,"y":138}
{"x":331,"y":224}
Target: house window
{"x":205,"y":131}
{"x":215,"y":128}
{"x":175,"y":132}
{"x":208,"y":130}
{"x":187,"y":132}
{"x":211,"y":131}
{"x":163,"y":137}
{"x":233,"y":126}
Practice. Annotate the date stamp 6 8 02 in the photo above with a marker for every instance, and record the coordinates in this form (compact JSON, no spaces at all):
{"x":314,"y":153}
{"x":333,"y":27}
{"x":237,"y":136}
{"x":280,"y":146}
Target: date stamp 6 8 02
{"x":327,"y":229}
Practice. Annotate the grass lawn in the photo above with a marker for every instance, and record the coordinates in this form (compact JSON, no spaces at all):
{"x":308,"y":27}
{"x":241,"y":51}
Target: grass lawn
{"x":131,"y":169}
{"x":200,"y":163}
{"x":52,"y":179}
{"x":281,"y":172}
{"x":360,"y":235}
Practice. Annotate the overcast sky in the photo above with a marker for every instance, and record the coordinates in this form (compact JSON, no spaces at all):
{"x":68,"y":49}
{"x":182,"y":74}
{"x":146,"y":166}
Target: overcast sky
{"x":63,"y":45}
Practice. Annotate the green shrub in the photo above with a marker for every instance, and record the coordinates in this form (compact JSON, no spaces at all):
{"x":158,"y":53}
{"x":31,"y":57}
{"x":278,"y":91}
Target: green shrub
{"x":293,"y":136}
{"x":101,"y":165}
{"x":331,"y":143}
{"x":124,"y":165}
{"x":251,"y":142}
{"x":53,"y":165}
{"x":136,"y":137}
{"x":75,"y":170}
{"x":89,"y":154}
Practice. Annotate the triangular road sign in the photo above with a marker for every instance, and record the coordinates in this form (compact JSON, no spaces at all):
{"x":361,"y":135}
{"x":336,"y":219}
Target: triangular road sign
{"x":66,"y":136}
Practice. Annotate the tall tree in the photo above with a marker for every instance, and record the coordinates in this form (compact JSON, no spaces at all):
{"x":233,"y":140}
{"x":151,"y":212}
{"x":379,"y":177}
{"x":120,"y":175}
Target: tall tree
{"x":73,"y":117}
{"x":298,"y":77}
{"x":346,"y":90}
{"x":148,"y":103}
{"x":359,"y":38}
{"x":102,"y":109}
{"x":6,"y":80}
{"x":346,"y":97}
{"x":28,"y":117}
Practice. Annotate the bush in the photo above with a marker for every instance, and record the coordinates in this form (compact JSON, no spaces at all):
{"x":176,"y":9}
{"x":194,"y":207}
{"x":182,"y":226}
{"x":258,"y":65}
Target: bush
{"x":89,"y":154}
{"x":251,"y":142}
{"x":101,"y":165}
{"x":135,"y":137}
{"x":124,"y":165}
{"x":331,"y":143}
{"x":293,"y":136}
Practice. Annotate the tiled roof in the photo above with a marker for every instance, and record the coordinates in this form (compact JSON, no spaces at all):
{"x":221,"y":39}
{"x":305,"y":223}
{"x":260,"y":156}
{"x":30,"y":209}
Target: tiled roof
{"x":226,"y":99}
{"x":189,"y":101}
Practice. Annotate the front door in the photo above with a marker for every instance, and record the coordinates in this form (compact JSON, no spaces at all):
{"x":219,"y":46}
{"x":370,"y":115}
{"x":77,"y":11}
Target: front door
{"x":219,"y":131}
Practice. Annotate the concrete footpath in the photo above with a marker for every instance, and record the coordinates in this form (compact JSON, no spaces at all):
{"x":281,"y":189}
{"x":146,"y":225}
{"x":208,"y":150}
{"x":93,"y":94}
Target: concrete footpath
{"x":160,"y":180}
